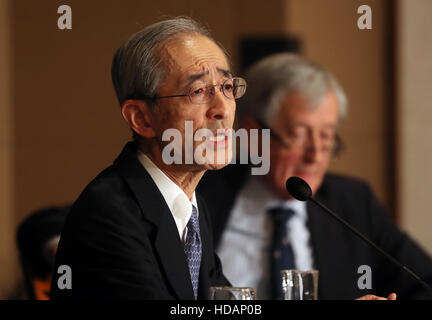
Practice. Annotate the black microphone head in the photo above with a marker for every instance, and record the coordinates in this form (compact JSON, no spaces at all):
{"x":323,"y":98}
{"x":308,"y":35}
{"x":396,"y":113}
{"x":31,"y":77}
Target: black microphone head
{"x":298,"y":188}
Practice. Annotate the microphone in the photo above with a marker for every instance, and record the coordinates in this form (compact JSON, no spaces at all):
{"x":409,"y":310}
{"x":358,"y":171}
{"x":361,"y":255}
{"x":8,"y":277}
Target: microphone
{"x":300,"y":190}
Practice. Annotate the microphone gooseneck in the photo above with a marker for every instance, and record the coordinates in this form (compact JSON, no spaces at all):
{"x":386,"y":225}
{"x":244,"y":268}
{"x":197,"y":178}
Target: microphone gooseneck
{"x":300,"y":190}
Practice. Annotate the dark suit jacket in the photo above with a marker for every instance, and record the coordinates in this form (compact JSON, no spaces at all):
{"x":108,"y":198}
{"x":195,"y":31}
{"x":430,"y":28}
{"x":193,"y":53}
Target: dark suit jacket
{"x":337,"y":252}
{"x":121,"y":241}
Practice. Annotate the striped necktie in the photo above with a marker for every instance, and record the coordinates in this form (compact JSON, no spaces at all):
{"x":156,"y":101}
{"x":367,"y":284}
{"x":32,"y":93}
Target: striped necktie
{"x":192,"y":248}
{"x":282,"y":255}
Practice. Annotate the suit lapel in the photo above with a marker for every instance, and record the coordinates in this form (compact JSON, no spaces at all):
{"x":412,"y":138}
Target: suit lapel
{"x":328,"y":244}
{"x":173,"y":260}
{"x":322,"y":246}
{"x":167,"y":242}
{"x":318,"y":234}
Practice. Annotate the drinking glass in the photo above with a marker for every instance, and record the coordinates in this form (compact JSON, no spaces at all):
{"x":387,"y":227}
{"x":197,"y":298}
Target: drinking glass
{"x":299,"y":284}
{"x":232,"y":293}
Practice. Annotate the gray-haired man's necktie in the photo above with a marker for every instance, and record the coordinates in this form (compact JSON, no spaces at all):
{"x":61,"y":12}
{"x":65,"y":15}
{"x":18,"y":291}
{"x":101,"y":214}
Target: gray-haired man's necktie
{"x":282,"y":255}
{"x":192,"y":248}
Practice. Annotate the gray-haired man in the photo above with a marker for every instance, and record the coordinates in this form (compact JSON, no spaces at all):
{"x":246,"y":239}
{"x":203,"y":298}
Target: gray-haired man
{"x":138,"y":231}
{"x":303,"y":105}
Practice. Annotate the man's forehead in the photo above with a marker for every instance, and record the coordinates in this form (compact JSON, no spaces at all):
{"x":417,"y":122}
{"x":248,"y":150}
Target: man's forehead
{"x":296,"y":102}
{"x":194,"y":57}
{"x":296,"y":109}
{"x":207,"y":75}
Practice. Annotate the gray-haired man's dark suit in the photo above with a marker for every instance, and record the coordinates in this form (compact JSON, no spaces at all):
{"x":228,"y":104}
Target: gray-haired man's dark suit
{"x":121,"y":241}
{"x":337,"y":252}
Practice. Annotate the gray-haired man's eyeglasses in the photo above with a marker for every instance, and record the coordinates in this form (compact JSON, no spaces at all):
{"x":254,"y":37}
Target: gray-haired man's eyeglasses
{"x":334,"y":146}
{"x":233,"y":88}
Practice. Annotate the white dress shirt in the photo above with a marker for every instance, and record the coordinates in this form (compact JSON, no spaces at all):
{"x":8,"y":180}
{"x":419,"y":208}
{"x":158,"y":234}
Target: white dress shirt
{"x":177,"y":201}
{"x":245,"y":245}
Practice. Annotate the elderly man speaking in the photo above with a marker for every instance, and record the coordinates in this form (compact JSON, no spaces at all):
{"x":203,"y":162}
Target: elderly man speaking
{"x":138,"y":231}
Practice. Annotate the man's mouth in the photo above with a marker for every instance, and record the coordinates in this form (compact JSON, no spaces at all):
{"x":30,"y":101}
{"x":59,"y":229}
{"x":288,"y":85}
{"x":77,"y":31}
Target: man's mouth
{"x":219,"y":138}
{"x":305,"y":173}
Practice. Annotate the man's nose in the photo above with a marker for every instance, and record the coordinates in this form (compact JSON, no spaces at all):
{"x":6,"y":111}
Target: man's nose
{"x":220,"y":106}
{"x":313,"y":148}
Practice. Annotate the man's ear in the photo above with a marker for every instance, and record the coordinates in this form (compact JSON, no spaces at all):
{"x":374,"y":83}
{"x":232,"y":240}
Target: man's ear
{"x":138,"y":115}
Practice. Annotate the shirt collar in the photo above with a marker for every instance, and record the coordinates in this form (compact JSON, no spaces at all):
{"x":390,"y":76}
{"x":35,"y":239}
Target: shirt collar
{"x":261,"y":196}
{"x":177,"y":201}
{"x":299,"y":207}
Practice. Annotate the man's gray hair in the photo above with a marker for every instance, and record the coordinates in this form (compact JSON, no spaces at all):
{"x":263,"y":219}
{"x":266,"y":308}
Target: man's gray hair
{"x":273,"y":77}
{"x":137,"y":67}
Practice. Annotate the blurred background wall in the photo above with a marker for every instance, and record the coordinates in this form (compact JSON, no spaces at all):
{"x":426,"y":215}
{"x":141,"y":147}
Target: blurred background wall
{"x":61,"y":125}
{"x":414,"y":129}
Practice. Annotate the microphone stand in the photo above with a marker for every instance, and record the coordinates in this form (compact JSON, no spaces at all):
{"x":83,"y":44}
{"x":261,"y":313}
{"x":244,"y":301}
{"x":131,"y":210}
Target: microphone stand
{"x":346,"y":224}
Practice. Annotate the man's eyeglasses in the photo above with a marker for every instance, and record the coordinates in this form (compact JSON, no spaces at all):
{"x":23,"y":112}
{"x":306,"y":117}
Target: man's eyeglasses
{"x":329,"y":143}
{"x":233,"y":88}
